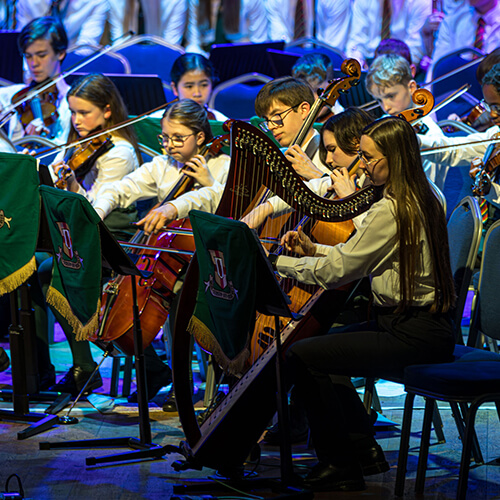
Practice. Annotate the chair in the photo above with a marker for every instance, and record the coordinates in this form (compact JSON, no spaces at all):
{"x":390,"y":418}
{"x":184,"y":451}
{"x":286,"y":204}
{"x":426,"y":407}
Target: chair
{"x":37,"y":142}
{"x":464,"y":235}
{"x":448,"y":63}
{"x":236,"y":97}
{"x":109,"y":62}
{"x":307,"y":45}
{"x":150,"y":55}
{"x":469,"y":381}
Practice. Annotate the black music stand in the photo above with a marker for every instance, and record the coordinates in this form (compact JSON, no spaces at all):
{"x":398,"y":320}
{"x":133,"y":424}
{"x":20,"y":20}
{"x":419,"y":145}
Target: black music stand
{"x":115,"y":258}
{"x":25,"y":376}
{"x":271,"y":301}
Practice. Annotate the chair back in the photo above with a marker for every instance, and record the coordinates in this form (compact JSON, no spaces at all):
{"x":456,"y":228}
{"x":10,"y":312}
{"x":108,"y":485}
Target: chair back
{"x":304,"y":46}
{"x":464,"y":235}
{"x":450,"y":62}
{"x":486,"y":314}
{"x":150,"y":55}
{"x":236,"y":97}
{"x":105,"y":63}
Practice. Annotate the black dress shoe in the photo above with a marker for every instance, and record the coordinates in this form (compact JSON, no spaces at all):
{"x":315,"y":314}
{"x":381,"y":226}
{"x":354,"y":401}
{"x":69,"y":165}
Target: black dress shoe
{"x":298,"y":434}
{"x":170,"y":404}
{"x":372,"y":460}
{"x":74,"y":381}
{"x":4,"y":360}
{"x":47,"y":378}
{"x":154,"y":383}
{"x":328,"y":477}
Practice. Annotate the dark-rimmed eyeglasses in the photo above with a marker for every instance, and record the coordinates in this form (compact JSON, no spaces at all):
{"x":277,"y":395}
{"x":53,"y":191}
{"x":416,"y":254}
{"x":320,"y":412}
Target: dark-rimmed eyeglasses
{"x":276,"y":120}
{"x":177,"y":140}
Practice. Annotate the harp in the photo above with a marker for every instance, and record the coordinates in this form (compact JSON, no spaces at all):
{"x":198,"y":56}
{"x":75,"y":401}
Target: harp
{"x":228,"y":434}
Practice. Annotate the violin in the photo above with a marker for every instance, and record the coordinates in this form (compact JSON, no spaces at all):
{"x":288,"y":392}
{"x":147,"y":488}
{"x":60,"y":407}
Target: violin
{"x":156,"y":293}
{"x":81,"y":158}
{"x":42,"y":105}
{"x":489,"y":164}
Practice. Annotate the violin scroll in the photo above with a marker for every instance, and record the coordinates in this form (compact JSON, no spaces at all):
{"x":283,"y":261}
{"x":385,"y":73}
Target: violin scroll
{"x":425,"y":102}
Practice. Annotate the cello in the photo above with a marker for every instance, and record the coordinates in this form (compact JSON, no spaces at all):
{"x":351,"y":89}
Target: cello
{"x":155,"y":293}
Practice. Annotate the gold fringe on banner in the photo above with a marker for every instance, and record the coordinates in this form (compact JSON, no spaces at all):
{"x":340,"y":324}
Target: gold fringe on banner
{"x":11,"y":282}
{"x":209,"y":343}
{"x":82,"y":332}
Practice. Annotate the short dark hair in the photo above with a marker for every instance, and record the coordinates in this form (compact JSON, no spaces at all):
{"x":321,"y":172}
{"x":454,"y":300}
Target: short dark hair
{"x":493,"y":77}
{"x":44,"y":28}
{"x":288,"y":90}
{"x":315,"y":66}
{"x":347,"y":128}
{"x":191,"y":61}
{"x":393,"y":46}
{"x":487,"y":63}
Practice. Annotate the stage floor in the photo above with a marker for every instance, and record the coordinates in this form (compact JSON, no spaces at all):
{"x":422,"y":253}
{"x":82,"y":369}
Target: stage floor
{"x":62,"y":473}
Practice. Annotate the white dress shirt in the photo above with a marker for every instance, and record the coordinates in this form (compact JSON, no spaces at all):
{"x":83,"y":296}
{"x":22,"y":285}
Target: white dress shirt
{"x":83,"y":20}
{"x":155,"y":180}
{"x":458,"y":30}
{"x":408,"y":17}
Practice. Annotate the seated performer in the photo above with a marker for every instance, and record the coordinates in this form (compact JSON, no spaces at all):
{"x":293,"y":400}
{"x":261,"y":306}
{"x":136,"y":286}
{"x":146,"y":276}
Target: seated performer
{"x":185,"y":130}
{"x":317,"y":70}
{"x":391,"y":83}
{"x":402,"y":245}
{"x":95,"y":103}
{"x":43,"y":43}
{"x":284,"y":104}
{"x":339,"y":151}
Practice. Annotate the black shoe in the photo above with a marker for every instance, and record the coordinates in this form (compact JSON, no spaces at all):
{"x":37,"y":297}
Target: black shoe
{"x":74,"y":381}
{"x":154,"y":383}
{"x":47,"y":378}
{"x":4,"y":360}
{"x":298,"y":434}
{"x":327,"y":477}
{"x":170,"y":404}
{"x":372,"y":460}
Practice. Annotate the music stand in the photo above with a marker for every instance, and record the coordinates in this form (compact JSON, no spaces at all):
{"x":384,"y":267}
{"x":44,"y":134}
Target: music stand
{"x":25,"y":377}
{"x":272,"y":301}
{"x":115,"y":258}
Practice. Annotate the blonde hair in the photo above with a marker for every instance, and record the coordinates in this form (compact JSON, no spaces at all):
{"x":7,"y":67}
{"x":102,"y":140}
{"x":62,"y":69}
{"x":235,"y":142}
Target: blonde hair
{"x":388,"y":70}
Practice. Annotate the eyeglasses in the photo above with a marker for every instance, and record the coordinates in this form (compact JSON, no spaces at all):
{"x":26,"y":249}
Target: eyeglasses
{"x":368,"y":162}
{"x":177,"y":141}
{"x":491,"y":108}
{"x":276,"y":120}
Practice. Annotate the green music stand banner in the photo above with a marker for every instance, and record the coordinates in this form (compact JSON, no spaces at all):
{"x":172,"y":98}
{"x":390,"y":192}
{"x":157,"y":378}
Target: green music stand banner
{"x":19,"y":219}
{"x":75,"y":288}
{"x":224,"y":315}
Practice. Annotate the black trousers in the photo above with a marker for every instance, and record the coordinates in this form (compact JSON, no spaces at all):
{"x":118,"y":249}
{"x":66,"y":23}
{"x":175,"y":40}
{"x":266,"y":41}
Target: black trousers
{"x":335,"y":412}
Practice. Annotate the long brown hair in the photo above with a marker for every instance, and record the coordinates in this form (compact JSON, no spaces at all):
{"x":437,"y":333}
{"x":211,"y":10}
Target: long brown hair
{"x":101,"y":91}
{"x":417,"y":209}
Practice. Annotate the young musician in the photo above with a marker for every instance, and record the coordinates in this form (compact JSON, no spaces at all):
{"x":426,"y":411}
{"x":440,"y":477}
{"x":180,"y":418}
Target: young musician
{"x":193,"y":77}
{"x":402,"y":245}
{"x":95,"y":104}
{"x":317,"y":70}
{"x":42,"y":43}
{"x":284,"y":105}
{"x":390,"y":82}
{"x":185,"y":132}
{"x":339,"y":151}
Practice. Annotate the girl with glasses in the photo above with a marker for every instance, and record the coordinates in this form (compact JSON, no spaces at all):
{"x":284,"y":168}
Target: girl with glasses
{"x":402,"y":245}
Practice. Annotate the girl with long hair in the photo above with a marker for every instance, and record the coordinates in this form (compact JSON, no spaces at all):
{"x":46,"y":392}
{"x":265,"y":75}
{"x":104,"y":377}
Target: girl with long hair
{"x":402,"y":245}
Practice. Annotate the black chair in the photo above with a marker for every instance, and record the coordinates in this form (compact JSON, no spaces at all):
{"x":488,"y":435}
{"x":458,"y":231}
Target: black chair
{"x":470,"y":381}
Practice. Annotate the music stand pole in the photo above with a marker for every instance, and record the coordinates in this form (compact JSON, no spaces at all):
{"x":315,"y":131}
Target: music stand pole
{"x":115,"y":258}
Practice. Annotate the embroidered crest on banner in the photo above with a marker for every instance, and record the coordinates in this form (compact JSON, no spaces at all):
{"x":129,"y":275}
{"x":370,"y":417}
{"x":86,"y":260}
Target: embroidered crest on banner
{"x":220,"y":278}
{"x":4,"y":219}
{"x":67,"y":249}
